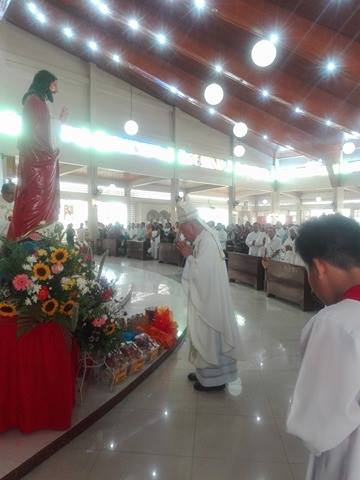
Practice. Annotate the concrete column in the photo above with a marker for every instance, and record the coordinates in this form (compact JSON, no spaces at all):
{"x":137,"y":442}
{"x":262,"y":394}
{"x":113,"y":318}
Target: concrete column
{"x":174,"y":185}
{"x":231,"y":204}
{"x":275,"y":202}
{"x":130,"y":204}
{"x":92,"y":169}
{"x":298,"y":211}
{"x":174,"y":191}
{"x":338,"y":199}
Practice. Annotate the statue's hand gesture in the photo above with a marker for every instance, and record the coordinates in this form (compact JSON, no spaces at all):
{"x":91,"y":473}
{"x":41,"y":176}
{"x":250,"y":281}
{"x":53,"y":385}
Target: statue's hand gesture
{"x":64,"y":114}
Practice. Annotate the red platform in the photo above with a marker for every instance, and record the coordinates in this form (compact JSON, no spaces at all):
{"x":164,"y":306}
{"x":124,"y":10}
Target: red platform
{"x":37,"y":378}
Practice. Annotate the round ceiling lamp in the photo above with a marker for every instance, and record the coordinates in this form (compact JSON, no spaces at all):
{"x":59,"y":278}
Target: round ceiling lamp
{"x":131,"y":127}
{"x":263,"y":53}
{"x":240,"y":129}
{"x":239,"y":151}
{"x":213,"y":94}
{"x":349,"y":148}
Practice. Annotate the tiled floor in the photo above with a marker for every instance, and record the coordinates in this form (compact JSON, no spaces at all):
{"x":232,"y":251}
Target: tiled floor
{"x":165,"y":430}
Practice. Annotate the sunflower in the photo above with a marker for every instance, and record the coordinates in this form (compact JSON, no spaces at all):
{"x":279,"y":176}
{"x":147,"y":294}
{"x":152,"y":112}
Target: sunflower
{"x":41,"y":271}
{"x":7,"y":309}
{"x":59,"y":255}
{"x":67,"y":308}
{"x":50,"y":306}
{"x":110,"y":329}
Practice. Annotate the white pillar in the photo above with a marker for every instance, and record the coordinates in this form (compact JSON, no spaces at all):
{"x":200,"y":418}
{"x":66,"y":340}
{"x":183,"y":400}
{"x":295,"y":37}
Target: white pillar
{"x":231,"y":204}
{"x":130,"y":204}
{"x":338,"y":199}
{"x":92,"y":169}
{"x":174,"y":191}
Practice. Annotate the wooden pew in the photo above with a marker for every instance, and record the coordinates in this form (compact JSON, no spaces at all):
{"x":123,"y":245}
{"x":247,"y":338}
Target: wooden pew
{"x":246,"y":269}
{"x":290,"y":282}
{"x":168,"y":253}
{"x":136,"y":249}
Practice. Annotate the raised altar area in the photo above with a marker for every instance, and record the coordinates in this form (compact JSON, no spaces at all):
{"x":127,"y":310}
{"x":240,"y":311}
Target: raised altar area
{"x":20,"y":453}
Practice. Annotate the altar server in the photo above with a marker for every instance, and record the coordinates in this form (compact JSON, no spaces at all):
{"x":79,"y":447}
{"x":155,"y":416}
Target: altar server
{"x":256,"y":241}
{"x":290,"y":255}
{"x":214,"y":334}
{"x":325,"y":410}
{"x":272,"y":245}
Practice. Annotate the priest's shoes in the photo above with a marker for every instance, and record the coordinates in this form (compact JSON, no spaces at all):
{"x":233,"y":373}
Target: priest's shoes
{"x":192,"y":377}
{"x":201,"y":388}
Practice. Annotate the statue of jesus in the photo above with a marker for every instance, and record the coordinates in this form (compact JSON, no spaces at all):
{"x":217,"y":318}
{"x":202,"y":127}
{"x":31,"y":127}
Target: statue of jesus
{"x":37,"y":198}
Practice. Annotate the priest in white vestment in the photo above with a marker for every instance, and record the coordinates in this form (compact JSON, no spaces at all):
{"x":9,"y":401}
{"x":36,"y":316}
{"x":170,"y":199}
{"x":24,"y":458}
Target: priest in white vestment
{"x":272,"y":248}
{"x":256,"y":241}
{"x":290,"y":255}
{"x":325,"y":409}
{"x":214,"y":334}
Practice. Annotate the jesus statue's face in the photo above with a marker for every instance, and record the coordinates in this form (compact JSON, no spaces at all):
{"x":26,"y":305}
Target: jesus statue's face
{"x":188,"y":230}
{"x":53,"y":87}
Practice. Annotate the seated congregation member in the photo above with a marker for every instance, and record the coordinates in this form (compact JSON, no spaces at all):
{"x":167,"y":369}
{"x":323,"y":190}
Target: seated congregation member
{"x":290,"y":254}
{"x":272,"y":245}
{"x":325,"y":410}
{"x":255,"y":240}
{"x":214,"y":336}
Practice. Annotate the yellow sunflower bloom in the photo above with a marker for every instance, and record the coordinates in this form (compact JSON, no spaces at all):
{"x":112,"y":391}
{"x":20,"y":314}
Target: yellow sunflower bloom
{"x":41,"y":252}
{"x":50,"y":307}
{"x":67,"y":308}
{"x":59,"y":255}
{"x":110,"y":329}
{"x":41,"y":271}
{"x":7,"y":309}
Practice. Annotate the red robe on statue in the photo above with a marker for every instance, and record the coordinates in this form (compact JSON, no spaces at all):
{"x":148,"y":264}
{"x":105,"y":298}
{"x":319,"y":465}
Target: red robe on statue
{"x":37,"y":198}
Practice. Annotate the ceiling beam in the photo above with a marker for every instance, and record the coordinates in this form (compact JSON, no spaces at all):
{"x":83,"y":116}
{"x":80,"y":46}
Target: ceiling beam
{"x":64,"y":170}
{"x":202,"y":188}
{"x":143,"y":181}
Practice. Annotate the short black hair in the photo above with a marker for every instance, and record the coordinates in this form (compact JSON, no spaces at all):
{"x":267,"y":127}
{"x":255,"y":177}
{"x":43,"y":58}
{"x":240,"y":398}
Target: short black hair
{"x":7,"y":187}
{"x":333,"y":238}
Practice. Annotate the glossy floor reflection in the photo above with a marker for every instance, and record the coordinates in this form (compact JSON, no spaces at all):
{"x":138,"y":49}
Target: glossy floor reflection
{"x":165,"y":430}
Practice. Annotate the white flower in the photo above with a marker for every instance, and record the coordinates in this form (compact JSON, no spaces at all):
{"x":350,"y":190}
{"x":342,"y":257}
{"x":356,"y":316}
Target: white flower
{"x":27,"y":267}
{"x":35,"y":288}
{"x":34,"y":298}
{"x":31,"y":259}
{"x":27,"y":301}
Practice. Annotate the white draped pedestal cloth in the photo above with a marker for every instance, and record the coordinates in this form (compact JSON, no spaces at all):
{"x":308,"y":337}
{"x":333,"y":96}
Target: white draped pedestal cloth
{"x":214,"y":335}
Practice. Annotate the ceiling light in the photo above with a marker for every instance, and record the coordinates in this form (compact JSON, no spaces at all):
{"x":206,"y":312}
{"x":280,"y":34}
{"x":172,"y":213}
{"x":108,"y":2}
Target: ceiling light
{"x":32,"y":7}
{"x":173,"y":89}
{"x":68,"y":32}
{"x":331,"y":66}
{"x":265,"y":137}
{"x":328,"y":122}
{"x":349,"y":148}
{"x":93,"y":45}
{"x":200,"y":4}
{"x":116,"y":58}
{"x":41,"y":17}
{"x":133,"y":24}
{"x":318,"y":199}
{"x":104,"y":9}
{"x":161,"y":38}
{"x":289,"y":147}
{"x":131,"y":127}
{"x":214,"y":94}
{"x":218,"y":68}
{"x":265,"y":92}
{"x":263,"y":53}
{"x":298,"y":110}
{"x":274,"y":38}
{"x":265,"y":201}
{"x":239,"y":151}
{"x":240,"y":129}
{"x":211,"y":111}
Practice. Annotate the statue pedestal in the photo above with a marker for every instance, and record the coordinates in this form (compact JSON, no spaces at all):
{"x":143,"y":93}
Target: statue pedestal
{"x":37,"y":378}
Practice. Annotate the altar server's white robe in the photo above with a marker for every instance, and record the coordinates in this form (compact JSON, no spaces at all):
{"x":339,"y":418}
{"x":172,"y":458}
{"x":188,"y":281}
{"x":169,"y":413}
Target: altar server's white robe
{"x":214,"y":334}
{"x":291,"y":256}
{"x":325,"y":411}
{"x":257,"y":249}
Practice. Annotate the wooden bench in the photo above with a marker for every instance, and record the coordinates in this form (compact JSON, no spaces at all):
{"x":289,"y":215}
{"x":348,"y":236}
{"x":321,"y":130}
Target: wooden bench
{"x":290,"y":282}
{"x":246,"y":269}
{"x":168,"y":253}
{"x":136,"y":249}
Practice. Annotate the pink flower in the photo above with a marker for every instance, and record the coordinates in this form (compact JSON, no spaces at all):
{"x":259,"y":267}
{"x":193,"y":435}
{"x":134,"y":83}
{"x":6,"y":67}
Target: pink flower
{"x":57,"y":268}
{"x":99,"y":322}
{"x":21,"y":282}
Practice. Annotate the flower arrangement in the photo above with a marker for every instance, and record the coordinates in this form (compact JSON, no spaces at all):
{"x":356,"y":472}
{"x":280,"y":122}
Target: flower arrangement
{"x":47,"y":281}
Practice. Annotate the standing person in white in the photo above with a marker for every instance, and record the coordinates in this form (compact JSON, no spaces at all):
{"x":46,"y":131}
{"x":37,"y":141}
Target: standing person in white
{"x":255,"y":241}
{"x":289,"y":248}
{"x":325,"y":410}
{"x":272,"y":245}
{"x":6,"y":206}
{"x":222,"y":235}
{"x":214,"y":335}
